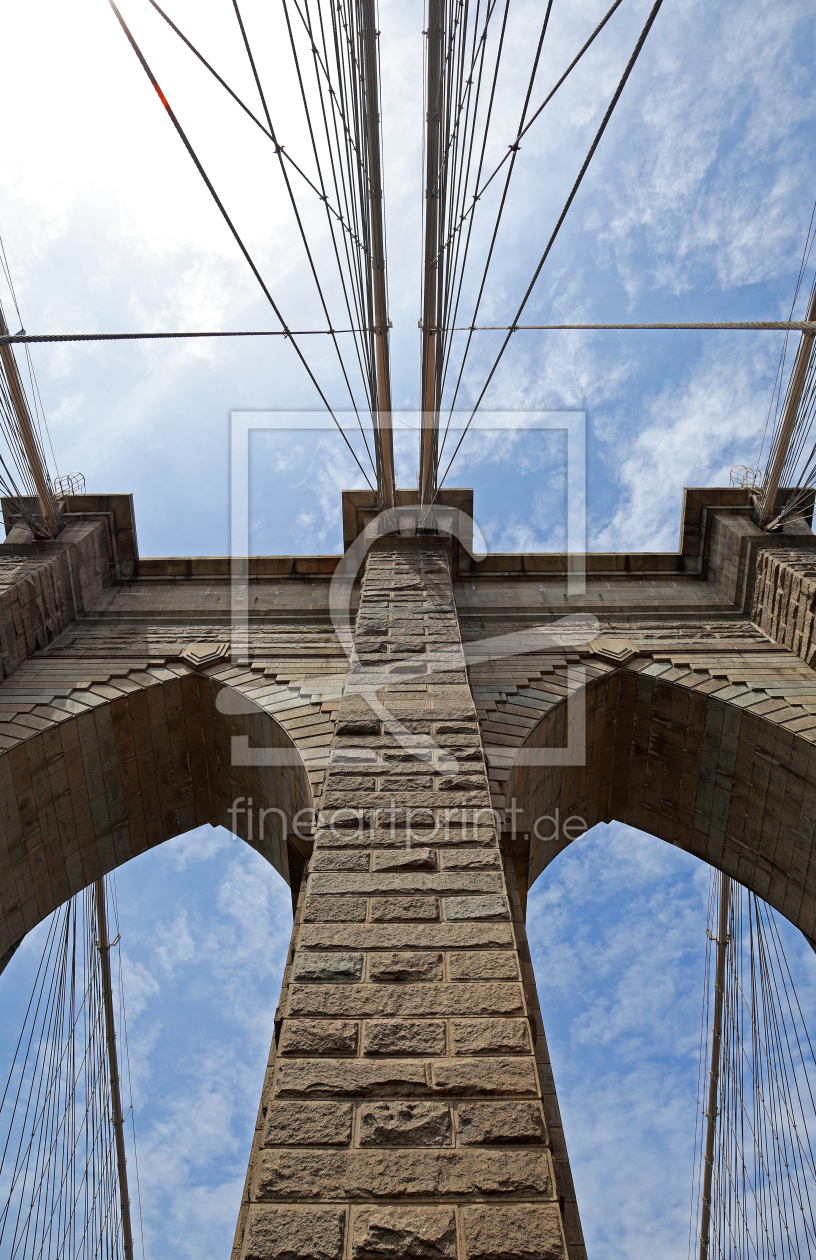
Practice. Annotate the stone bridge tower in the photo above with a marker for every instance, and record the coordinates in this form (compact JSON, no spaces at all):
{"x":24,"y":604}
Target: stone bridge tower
{"x":409,"y":1108}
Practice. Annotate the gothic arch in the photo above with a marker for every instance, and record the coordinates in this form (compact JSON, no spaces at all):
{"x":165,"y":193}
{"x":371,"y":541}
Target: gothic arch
{"x":732,"y":787}
{"x":81,"y":796}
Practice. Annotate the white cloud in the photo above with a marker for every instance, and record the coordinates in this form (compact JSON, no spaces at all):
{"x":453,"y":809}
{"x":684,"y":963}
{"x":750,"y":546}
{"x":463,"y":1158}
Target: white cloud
{"x":693,"y":431}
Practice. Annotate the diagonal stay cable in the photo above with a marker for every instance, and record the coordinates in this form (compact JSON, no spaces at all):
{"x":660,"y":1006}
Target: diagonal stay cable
{"x":340,"y":270}
{"x":324,"y":69}
{"x":461,"y":267}
{"x":250,"y":114}
{"x":287,"y":331}
{"x":356,"y":266}
{"x":618,"y":91}
{"x":499,"y":215}
{"x":522,"y":133}
{"x":347,"y":172}
{"x":296,"y":211}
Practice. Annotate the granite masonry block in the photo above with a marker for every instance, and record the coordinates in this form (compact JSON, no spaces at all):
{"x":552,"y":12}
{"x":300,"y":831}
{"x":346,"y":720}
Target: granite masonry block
{"x":405,"y":968}
{"x":463,"y":1077}
{"x":319,"y":968}
{"x":335,"y":910}
{"x":404,"y":1037}
{"x":471,"y":859}
{"x":404,"y":1123}
{"x":404,"y":909}
{"x":408,"y":881}
{"x":523,"y":1232}
{"x":433,"y":1172}
{"x":487,"y":936}
{"x":440,"y":828}
{"x":352,"y":1078}
{"x":294,"y":1233}
{"x":491,"y":1036}
{"x":308,"y":1124}
{"x":413,"y":859}
{"x":316,"y":1036}
{"x":487,"y":965}
{"x":475,"y":908}
{"x":500,"y":1124}
{"x":342,"y":861}
{"x":403,"y":1001}
{"x":396,"y":1233}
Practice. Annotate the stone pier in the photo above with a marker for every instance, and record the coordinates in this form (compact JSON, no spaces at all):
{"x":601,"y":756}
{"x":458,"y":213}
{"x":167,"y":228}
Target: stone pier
{"x":408,"y":1108}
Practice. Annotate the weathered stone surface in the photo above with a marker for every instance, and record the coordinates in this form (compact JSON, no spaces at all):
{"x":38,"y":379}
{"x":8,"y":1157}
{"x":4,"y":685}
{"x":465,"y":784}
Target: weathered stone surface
{"x":404,"y":968}
{"x":476,"y":908}
{"x":308,"y":1124}
{"x":405,"y":909}
{"x":492,"y":965}
{"x":461,"y":782}
{"x":288,"y":1233}
{"x":335,"y":910}
{"x":491,"y":1036}
{"x":410,"y":936}
{"x":328,"y":968}
{"x":395,"y":1233}
{"x":418,"y":859}
{"x":463,"y":1077}
{"x":404,"y":1037}
{"x":405,"y":1124}
{"x":357,"y":726}
{"x":524,"y":1232}
{"x":440,"y":827}
{"x":380,"y":1000}
{"x":500,"y":1124}
{"x":318,"y":1036}
{"x":434,"y":1172}
{"x":351,"y":1078}
{"x":342,"y":861}
{"x":471,"y":859}
{"x":406,"y":783}
{"x":407,"y":880}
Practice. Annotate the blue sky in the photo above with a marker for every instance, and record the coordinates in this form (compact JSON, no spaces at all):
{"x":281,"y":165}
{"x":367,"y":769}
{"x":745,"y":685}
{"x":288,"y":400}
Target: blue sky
{"x":696,"y":207}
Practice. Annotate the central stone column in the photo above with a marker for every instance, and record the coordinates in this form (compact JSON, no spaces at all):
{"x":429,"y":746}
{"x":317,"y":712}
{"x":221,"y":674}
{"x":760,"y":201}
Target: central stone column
{"x":408,"y":1108}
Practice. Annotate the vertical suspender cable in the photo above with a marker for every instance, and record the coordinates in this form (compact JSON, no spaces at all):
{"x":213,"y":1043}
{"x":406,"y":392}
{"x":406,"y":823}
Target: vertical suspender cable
{"x":20,"y":403}
{"x":714,"y":1071}
{"x":780,"y":451}
{"x":429,"y":426}
{"x":104,"y":947}
{"x":371,"y":105}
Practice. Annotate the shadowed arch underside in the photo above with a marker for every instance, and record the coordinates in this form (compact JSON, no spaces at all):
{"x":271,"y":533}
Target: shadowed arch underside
{"x":730,"y":786}
{"x":82,"y":795}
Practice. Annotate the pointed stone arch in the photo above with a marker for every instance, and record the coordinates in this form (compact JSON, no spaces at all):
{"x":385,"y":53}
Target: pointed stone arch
{"x":84,"y":792}
{"x":734,"y":787}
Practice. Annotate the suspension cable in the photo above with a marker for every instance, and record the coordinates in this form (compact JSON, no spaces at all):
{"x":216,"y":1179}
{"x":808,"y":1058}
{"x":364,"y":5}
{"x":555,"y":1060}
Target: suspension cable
{"x":183,"y":137}
{"x":610,"y":110}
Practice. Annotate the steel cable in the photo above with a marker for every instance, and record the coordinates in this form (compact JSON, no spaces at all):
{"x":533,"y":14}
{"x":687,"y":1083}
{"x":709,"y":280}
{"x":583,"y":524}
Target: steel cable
{"x":593,"y":147}
{"x":247,"y":256}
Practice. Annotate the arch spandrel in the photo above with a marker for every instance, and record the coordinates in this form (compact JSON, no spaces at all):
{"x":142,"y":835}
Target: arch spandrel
{"x":92,"y":780}
{"x":716,"y":767}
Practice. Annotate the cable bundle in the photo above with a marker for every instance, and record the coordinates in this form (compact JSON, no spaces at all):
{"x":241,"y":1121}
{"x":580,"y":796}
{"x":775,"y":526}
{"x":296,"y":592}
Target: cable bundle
{"x":462,"y":74}
{"x":331,"y":42}
{"x":763,"y":1201}
{"x":58,"y":1170}
{"x":16,"y":478}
